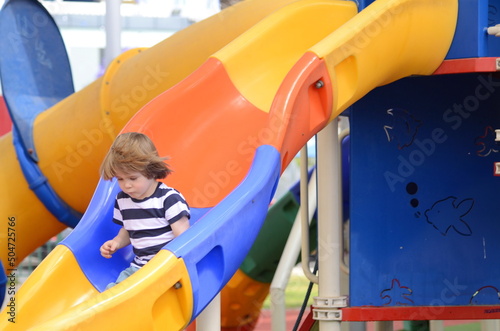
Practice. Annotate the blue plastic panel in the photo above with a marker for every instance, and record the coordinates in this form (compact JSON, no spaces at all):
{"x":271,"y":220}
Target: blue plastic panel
{"x":35,"y":75}
{"x":471,"y":38}
{"x":215,"y":246}
{"x":425,"y":206}
{"x":34,"y":66}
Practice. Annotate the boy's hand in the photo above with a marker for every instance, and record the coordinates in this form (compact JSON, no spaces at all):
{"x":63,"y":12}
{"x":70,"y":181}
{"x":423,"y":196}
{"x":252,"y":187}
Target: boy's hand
{"x":108,"y":248}
{"x":122,"y":239}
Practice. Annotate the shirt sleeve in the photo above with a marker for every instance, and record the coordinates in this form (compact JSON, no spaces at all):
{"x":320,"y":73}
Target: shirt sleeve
{"x":176,"y":207}
{"x":117,"y":214}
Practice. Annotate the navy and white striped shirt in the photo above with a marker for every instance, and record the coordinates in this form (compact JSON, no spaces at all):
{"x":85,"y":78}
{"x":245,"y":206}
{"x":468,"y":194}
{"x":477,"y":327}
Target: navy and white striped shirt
{"x":148,"y":221}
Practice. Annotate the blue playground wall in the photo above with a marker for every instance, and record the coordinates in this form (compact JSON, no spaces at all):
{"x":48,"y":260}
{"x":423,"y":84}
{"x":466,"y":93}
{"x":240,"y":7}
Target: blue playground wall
{"x":425,"y":202}
{"x":471,"y":38}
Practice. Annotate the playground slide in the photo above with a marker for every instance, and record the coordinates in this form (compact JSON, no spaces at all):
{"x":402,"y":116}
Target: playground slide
{"x":37,"y":87}
{"x":231,"y":127}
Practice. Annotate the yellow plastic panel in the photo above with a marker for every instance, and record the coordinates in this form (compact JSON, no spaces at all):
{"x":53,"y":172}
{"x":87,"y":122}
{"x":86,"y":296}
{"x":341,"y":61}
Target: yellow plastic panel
{"x":389,"y":40}
{"x":157,"y":297}
{"x":259,"y":59}
{"x":57,"y":284}
{"x":242,"y":299}
{"x":22,"y":209}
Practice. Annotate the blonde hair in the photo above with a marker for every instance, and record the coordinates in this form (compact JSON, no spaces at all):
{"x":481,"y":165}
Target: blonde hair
{"x":134,"y":152}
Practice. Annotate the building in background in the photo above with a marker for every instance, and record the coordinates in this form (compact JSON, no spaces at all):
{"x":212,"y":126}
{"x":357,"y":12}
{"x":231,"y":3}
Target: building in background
{"x":144,"y":23}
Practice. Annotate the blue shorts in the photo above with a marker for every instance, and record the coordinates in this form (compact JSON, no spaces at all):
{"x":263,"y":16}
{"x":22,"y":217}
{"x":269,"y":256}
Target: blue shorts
{"x":123,"y":275}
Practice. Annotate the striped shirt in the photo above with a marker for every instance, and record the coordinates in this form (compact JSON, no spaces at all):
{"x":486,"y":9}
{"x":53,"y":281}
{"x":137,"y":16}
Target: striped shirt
{"x":148,"y":221}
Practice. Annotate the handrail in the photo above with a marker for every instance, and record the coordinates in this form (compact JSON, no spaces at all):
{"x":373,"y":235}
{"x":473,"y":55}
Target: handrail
{"x":288,"y":260}
{"x":343,"y":266}
{"x":41,"y":187}
{"x":304,"y":213}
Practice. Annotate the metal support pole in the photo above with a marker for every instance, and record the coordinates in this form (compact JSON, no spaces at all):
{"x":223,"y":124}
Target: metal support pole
{"x":489,"y":325}
{"x":209,"y":319}
{"x":384,"y":326}
{"x":113,"y":31}
{"x":436,"y":325}
{"x":329,"y":230}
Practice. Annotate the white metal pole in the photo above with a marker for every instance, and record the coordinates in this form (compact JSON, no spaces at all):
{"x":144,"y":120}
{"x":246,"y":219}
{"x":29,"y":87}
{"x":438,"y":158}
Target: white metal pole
{"x":436,"y":325}
{"x":489,"y":325}
{"x":209,"y":319}
{"x":384,"y":326}
{"x":329,"y":227}
{"x":113,"y":31}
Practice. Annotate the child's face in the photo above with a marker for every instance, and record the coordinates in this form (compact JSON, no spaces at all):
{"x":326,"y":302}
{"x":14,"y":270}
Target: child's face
{"x":135,"y":184}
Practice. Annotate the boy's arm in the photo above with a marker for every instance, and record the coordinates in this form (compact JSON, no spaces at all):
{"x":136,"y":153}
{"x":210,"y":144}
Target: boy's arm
{"x":122,"y":239}
{"x":180,"y":226}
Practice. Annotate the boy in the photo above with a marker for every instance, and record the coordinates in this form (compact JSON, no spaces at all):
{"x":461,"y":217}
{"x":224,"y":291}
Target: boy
{"x":151,"y":213}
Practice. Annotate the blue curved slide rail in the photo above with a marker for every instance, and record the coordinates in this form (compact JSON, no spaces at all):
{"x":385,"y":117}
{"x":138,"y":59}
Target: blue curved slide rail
{"x":3,"y":284}
{"x":220,"y":241}
{"x":39,"y":184}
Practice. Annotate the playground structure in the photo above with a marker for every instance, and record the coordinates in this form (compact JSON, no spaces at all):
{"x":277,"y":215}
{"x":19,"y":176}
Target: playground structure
{"x":234,"y":109}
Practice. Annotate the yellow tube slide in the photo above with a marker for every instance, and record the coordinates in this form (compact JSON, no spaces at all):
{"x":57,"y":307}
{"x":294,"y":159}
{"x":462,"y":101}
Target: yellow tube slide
{"x":72,"y":137}
{"x":389,"y":40}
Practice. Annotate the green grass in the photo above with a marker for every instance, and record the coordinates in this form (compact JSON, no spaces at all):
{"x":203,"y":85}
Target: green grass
{"x":475,"y":326}
{"x":295,"y":293}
